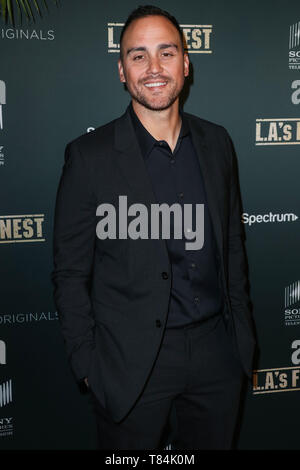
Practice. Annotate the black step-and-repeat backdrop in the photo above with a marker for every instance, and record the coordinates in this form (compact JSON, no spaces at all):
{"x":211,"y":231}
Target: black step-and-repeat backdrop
{"x":58,"y":80}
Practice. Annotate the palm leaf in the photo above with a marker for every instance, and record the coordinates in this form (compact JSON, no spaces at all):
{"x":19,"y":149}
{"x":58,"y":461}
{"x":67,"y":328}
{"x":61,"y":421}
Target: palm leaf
{"x":24,"y":6}
{"x":45,"y":3}
{"x":19,"y":8}
{"x":37,"y":7}
{"x":10,"y":12}
{"x":29,"y":9}
{"x":3,"y":7}
{"x":24,"y":9}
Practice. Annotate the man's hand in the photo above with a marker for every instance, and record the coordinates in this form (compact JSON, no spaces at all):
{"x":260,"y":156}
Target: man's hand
{"x":86,"y":382}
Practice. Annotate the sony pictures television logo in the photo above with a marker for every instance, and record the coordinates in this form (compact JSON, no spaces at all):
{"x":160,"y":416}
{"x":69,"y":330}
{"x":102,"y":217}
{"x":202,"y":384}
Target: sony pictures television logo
{"x":6,"y":426}
{"x":2,"y":101}
{"x":292,"y":304}
{"x":294,"y":46}
{"x":2,"y":352}
{"x":1,"y":155}
{"x":6,"y":423}
{"x":197,"y":37}
{"x":6,"y":393}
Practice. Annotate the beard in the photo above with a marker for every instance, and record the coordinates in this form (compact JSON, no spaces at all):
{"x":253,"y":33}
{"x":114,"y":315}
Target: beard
{"x":157,"y":102}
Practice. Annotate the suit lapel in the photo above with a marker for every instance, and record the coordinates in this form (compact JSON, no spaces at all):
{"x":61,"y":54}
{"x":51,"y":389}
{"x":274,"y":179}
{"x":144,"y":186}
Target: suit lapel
{"x":207,"y":164}
{"x":131,"y":164}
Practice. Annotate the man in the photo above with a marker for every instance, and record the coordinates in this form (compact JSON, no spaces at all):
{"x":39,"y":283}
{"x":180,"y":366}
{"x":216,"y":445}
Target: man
{"x":160,"y":334}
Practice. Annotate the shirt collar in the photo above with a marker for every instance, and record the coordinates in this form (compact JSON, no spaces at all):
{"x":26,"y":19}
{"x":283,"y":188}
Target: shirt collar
{"x":145,"y":139}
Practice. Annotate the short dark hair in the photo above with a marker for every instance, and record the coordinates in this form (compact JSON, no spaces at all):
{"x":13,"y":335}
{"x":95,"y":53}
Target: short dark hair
{"x":150,"y":10}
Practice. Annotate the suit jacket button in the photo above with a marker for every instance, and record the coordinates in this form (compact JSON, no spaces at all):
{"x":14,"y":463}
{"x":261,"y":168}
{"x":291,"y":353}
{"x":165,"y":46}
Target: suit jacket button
{"x":158,"y":323}
{"x":164,"y":275}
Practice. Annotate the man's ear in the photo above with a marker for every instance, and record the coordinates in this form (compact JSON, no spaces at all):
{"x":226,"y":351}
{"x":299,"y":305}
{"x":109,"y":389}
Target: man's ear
{"x":186,"y":66}
{"x":121,"y":71}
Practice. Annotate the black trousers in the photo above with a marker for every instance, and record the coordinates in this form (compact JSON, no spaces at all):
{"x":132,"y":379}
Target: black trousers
{"x":190,"y":400}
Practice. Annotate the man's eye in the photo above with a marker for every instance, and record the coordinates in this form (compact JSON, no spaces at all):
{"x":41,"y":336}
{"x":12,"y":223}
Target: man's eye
{"x":167,"y":54}
{"x":138,"y":57}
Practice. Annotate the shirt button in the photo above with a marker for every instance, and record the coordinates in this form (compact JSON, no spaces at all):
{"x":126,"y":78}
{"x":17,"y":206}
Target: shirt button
{"x":180,"y":194}
{"x":164,"y":275}
{"x":158,"y":323}
{"x":193,"y":265}
{"x":172,"y":160}
{"x":196,"y":299}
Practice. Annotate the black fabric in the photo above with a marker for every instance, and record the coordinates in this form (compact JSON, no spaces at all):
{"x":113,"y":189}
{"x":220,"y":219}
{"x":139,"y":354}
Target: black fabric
{"x":176,"y":178}
{"x":112,"y":295}
{"x":190,"y":401}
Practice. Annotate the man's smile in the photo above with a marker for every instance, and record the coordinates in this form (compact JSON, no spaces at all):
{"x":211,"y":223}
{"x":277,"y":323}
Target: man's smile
{"x":155,"y":84}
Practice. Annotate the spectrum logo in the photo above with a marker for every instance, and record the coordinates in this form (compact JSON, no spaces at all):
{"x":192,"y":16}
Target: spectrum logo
{"x":250,"y":219}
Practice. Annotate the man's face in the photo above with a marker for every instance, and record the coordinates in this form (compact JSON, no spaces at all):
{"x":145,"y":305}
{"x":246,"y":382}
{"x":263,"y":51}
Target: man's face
{"x":153,"y":65}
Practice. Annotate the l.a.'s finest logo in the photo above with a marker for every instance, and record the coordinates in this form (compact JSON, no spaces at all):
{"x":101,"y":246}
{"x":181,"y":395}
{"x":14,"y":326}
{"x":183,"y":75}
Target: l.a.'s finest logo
{"x":197,"y":37}
{"x":292,"y":304}
{"x":21,"y":228}
{"x":294,"y":46}
{"x":277,"y":131}
{"x":281,"y":379}
{"x":2,"y":100}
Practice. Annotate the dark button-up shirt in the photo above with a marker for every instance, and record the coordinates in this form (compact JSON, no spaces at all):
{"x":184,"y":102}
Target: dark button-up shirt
{"x":176,"y":178}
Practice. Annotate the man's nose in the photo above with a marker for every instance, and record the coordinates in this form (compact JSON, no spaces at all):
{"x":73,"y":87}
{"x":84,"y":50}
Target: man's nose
{"x":154,"y":65}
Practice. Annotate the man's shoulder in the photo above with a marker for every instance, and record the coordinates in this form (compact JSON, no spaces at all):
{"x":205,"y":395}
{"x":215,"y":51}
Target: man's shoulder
{"x":100,"y":136}
{"x":205,"y":125}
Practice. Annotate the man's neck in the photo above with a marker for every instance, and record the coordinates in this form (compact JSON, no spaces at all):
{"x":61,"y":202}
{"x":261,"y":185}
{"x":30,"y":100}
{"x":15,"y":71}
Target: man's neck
{"x":162,"y":125}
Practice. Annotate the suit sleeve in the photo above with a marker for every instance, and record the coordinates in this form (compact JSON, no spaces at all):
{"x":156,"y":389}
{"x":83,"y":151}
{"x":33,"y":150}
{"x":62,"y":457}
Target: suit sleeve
{"x":237,"y":261}
{"x":73,"y":250}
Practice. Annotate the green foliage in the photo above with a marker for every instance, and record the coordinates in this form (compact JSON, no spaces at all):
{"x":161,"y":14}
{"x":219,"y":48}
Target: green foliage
{"x":29,"y":8}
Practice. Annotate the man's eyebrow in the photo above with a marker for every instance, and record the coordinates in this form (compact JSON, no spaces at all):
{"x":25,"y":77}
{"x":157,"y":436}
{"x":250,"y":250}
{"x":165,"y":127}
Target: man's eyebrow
{"x":166,"y":46}
{"x":160,"y":46}
{"x":135,"y":49}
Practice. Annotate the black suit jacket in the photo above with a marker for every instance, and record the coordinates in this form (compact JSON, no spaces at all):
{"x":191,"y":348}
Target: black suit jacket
{"x":112,"y":295}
